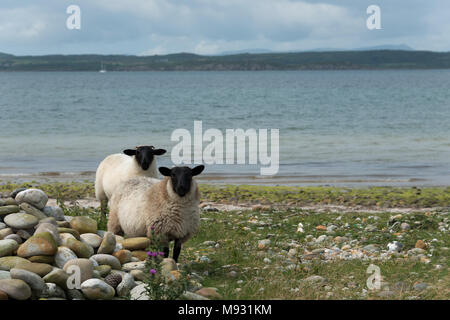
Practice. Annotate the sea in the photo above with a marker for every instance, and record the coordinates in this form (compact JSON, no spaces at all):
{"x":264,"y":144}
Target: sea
{"x":339,"y":128}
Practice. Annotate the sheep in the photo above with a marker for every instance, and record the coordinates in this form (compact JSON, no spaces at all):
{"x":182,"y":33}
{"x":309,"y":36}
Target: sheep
{"x":168,"y":207}
{"x":116,"y":168}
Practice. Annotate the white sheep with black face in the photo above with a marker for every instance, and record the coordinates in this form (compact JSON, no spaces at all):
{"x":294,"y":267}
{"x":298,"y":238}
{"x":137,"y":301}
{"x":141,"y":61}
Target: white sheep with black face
{"x":117,"y":168}
{"x":170,"y":206}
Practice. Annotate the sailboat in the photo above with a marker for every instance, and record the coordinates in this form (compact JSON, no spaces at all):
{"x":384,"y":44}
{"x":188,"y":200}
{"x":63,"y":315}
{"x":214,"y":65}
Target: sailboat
{"x":102,"y":70}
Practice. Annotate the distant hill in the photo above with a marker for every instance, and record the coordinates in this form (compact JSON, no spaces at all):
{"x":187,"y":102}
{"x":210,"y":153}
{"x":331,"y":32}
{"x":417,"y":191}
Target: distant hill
{"x":325,"y":60}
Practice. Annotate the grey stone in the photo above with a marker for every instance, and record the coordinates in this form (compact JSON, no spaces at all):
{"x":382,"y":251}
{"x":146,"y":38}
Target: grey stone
{"x":55,"y":212}
{"x":21,"y":220}
{"x":32,"y":279}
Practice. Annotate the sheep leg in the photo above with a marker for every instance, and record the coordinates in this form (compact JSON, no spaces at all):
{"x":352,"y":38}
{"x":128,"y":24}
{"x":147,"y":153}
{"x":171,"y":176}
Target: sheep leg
{"x":114,"y":224}
{"x":103,"y":206}
{"x":176,"y":249}
{"x":166,"y":252}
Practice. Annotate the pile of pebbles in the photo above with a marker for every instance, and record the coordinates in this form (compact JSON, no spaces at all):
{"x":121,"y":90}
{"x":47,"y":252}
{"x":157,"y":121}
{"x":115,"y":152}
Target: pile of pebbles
{"x":39,"y":247}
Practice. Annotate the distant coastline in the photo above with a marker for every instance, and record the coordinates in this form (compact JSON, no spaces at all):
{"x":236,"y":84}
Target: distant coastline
{"x":326,"y":60}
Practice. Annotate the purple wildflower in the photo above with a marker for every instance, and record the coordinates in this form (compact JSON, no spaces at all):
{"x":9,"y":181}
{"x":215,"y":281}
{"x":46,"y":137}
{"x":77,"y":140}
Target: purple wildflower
{"x":152,"y":271}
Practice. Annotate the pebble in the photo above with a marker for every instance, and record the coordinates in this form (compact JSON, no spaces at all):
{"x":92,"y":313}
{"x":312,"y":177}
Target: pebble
{"x":51,"y":228}
{"x":21,"y":220}
{"x":5,"y":232}
{"x":7,"y":246}
{"x":140,"y":265}
{"x":15,"y":288}
{"x":82,"y":250}
{"x":139,"y":243}
{"x":32,"y":279}
{"x":14,"y":237}
{"x":92,"y":239}
{"x":85,"y":265}
{"x":123,"y":255}
{"x":209,"y":293}
{"x":35,"y":197}
{"x":193,"y":296}
{"x":125,"y":286}
{"x":41,"y":269}
{"x":28,"y":208}
{"x":138,"y":275}
{"x":63,"y":255}
{"x":5,"y":274}
{"x":395,"y":246}
{"x":54,"y":212}
{"x":57,"y":276}
{"x":9,"y":209}
{"x":263,"y":244}
{"x":107,"y":259}
{"x":420,"y":286}
{"x":52,"y":290}
{"x":315,"y":280}
{"x":41,"y":244}
{"x":420,"y":244}
{"x":7,"y":263}
{"x":103,"y":269}
{"x":84,"y":224}
{"x":405,"y":226}
{"x":108,"y":243}
{"x":71,"y":231}
{"x":96,"y":289}
{"x":139,"y":293}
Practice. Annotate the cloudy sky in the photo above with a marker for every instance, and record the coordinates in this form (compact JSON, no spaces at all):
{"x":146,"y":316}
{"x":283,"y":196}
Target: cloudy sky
{"x":146,"y":27}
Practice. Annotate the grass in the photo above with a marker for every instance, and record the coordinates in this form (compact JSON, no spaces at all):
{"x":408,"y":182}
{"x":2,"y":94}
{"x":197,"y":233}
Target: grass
{"x":238,"y":251}
{"x":237,"y":267}
{"x":281,"y":196}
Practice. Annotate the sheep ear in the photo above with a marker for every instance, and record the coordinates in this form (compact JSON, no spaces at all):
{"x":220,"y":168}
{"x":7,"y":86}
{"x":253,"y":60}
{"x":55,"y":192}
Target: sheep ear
{"x":159,"y":152}
{"x":164,"y":171}
{"x":197,"y":170}
{"x":129,"y":152}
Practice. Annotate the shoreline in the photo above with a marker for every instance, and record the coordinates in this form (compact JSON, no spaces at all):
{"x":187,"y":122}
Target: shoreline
{"x":345,"y":181}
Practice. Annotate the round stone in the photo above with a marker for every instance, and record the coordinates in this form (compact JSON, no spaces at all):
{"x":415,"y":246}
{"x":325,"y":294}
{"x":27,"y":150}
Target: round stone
{"x":82,"y":250}
{"x":84,"y":224}
{"x":85,"y":266}
{"x":14,"y":237}
{"x":108,"y":243}
{"x":133,"y":266}
{"x":54,"y":212}
{"x":52,"y":229}
{"x":96,"y":289}
{"x":41,"y":244}
{"x":28,"y":208}
{"x":5,"y":232}
{"x":139,"y":243}
{"x":123,"y":255}
{"x":21,"y":220}
{"x":124,"y":287}
{"x":32,"y":279}
{"x":140,"y":254}
{"x":7,"y":263}
{"x":92,"y":239}
{"x":63,"y":255}
{"x":4,"y":275}
{"x":41,"y":269}
{"x":57,"y":276}
{"x":73,"y":232}
{"x":9,"y":209}
{"x":7,"y":247}
{"x":35,"y":197}
{"x":15,"y":288}
{"x":107,"y":259}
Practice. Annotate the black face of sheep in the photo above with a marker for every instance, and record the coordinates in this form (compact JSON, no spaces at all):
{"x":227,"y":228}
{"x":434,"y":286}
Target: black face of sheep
{"x":181,"y":177}
{"x":144,"y":155}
